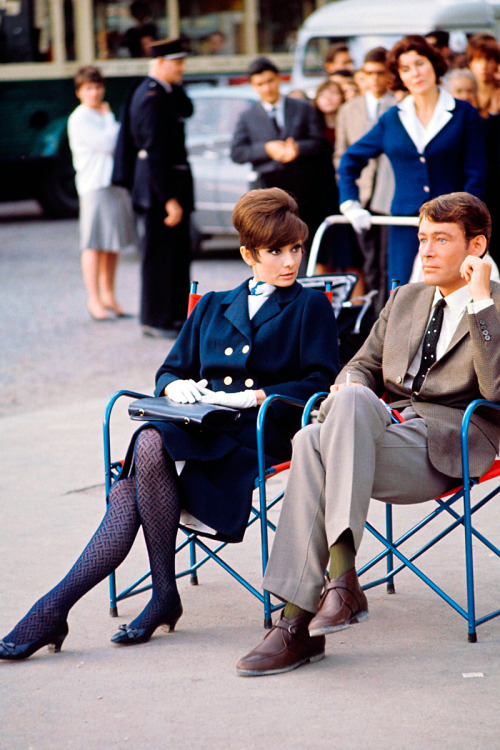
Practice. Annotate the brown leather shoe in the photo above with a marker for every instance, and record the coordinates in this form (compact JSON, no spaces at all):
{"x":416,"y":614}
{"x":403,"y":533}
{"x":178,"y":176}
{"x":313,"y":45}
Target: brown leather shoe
{"x":286,"y":646}
{"x":342,"y":603}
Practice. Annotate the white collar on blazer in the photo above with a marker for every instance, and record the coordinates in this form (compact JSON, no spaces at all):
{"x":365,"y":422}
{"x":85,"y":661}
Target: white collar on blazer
{"x":441,"y":116}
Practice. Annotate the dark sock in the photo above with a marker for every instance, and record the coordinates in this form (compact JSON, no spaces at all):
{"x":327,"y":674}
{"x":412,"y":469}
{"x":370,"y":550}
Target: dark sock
{"x":342,"y":555}
{"x":292,"y":610}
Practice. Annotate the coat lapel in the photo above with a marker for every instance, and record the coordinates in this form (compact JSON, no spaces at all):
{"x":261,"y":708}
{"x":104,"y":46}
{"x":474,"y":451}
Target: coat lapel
{"x":237,"y":310}
{"x":264,"y":124}
{"x":275,"y":303}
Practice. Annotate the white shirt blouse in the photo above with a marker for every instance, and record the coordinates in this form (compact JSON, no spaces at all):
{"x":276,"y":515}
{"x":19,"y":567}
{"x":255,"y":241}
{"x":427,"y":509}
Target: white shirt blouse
{"x":420,"y":135}
{"x":92,"y":139}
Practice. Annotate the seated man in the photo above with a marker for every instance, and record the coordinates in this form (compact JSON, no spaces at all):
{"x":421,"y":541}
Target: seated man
{"x":434,"y":348}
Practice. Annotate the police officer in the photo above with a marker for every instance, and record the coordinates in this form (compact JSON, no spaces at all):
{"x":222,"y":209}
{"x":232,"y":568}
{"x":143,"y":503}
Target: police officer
{"x":151,"y":160}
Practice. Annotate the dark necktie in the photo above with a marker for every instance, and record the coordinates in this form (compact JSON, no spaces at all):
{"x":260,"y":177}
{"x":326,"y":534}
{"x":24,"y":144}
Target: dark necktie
{"x":273,"y":116}
{"x":429,"y":345}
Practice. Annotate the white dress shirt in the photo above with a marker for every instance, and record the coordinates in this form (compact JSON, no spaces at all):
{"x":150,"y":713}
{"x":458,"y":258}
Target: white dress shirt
{"x":278,"y":110}
{"x":456,"y":304}
{"x":422,"y":135}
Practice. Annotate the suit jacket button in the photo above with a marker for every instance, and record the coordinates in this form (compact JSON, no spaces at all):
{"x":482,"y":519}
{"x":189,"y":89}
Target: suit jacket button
{"x":422,"y":159}
{"x":249,"y":382}
{"x":228,"y":351}
{"x":427,"y":189}
{"x":228,"y":380}
{"x":487,"y":338}
{"x":399,"y":379}
{"x":485,"y":332}
{"x":482,"y":322}
{"x":245,"y":349}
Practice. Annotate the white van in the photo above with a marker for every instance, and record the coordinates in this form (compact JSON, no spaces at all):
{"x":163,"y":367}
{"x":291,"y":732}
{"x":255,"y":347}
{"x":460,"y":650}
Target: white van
{"x":364,"y":24}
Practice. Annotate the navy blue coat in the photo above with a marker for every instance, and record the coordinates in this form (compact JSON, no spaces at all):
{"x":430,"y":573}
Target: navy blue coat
{"x":290,"y":347}
{"x":454,"y":160}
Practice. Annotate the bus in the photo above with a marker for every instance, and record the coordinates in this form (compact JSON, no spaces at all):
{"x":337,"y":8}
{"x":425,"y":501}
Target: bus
{"x":44,"y":42}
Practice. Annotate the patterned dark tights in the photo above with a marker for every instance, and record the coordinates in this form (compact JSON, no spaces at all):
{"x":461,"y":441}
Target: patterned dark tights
{"x":149,"y":498}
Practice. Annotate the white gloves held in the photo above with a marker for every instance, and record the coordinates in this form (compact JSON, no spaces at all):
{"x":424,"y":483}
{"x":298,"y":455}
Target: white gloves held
{"x":359,"y":218}
{"x":188,"y":392}
{"x":240,"y":400}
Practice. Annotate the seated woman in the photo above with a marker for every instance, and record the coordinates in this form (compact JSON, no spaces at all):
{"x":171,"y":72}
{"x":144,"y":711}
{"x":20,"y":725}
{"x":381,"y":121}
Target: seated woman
{"x":269,"y":335}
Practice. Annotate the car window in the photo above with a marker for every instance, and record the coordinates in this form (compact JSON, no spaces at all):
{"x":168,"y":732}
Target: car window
{"x":215,"y":116}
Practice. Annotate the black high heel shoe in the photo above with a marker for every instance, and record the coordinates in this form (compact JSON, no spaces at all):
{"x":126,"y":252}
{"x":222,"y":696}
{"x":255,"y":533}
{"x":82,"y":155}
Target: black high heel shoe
{"x":54,"y":640}
{"x":133,"y":636}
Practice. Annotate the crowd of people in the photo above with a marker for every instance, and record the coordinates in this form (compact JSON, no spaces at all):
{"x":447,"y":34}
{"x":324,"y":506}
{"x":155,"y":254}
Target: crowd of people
{"x":399,"y":133}
{"x":433,"y":349}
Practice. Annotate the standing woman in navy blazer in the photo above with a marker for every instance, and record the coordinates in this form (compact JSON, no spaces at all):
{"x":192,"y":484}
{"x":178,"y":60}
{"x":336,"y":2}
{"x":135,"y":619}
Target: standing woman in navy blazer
{"x":269,"y":335}
{"x":435,"y":145}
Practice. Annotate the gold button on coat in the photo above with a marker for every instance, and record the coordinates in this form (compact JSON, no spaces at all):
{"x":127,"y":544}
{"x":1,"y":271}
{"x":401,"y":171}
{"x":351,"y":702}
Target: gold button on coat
{"x":427,"y":189}
{"x":228,"y":351}
{"x":249,"y":382}
{"x":399,"y":379}
{"x":245,"y":349}
{"x":228,"y":380}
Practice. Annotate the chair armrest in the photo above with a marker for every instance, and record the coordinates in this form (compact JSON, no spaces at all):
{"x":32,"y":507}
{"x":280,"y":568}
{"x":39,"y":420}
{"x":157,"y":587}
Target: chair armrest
{"x":479,"y":402}
{"x":106,"y":431}
{"x":311,"y":402}
{"x":261,"y":418}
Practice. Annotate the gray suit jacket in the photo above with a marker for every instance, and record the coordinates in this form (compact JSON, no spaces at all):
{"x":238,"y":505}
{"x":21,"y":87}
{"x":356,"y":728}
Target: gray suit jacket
{"x":469,"y":369}
{"x":376,"y":182}
{"x":254,"y":129}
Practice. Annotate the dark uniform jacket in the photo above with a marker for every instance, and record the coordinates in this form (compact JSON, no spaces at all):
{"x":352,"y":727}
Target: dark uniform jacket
{"x":151,"y":158}
{"x":290,"y":348}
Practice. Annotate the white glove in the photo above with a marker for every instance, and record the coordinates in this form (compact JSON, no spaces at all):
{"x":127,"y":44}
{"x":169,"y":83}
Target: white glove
{"x":359,"y":218}
{"x":240,"y":400}
{"x":186,"y":391}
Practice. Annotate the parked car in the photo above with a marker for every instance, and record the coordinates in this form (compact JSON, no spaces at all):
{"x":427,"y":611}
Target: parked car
{"x":218,"y":181}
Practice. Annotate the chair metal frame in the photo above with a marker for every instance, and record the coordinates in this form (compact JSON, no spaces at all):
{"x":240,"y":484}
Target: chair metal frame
{"x":258,"y":513}
{"x":460,"y":518}
{"x":338,"y":288}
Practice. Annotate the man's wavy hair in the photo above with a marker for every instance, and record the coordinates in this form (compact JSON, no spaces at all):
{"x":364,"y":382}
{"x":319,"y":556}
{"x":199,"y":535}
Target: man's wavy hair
{"x":464,"y":209}
{"x":268,"y":218}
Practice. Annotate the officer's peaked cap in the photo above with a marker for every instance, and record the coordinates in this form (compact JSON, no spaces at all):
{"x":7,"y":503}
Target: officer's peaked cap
{"x":170,"y":49}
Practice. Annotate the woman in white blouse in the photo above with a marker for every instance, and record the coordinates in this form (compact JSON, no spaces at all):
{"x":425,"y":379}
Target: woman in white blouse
{"x":435,"y":145}
{"x":106,"y":219}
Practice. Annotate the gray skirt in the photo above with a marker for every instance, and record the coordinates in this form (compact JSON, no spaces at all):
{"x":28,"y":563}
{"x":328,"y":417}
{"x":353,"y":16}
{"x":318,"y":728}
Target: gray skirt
{"x":107,"y":220}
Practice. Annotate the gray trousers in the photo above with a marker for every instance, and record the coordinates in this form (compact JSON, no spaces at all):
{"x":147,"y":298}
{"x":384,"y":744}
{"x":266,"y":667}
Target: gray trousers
{"x":355,"y":454}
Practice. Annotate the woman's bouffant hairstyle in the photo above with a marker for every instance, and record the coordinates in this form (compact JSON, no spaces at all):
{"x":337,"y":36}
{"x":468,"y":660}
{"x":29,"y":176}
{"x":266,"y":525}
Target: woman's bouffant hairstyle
{"x":88,"y":74}
{"x":268,"y":218}
{"x":463,"y":209}
{"x":420,"y":45}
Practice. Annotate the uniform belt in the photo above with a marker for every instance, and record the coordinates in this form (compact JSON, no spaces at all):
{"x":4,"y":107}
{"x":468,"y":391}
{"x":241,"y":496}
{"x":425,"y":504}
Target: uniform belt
{"x":143,"y":154}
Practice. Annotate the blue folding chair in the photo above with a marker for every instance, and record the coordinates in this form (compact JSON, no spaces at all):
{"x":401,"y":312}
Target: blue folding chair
{"x":338,"y":288}
{"x":444,"y":504}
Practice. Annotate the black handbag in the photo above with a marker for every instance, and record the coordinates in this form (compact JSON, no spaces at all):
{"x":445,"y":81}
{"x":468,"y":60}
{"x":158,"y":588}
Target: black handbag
{"x":201,"y":416}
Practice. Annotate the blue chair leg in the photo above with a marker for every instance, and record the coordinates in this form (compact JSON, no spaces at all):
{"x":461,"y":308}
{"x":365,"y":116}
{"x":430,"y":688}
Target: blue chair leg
{"x":113,"y":609}
{"x":391,"y":589}
{"x":469,"y":567}
{"x":193,"y":579}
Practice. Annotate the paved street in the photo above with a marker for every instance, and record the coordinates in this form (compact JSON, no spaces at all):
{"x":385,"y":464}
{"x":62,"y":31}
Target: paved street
{"x":406,"y":679}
